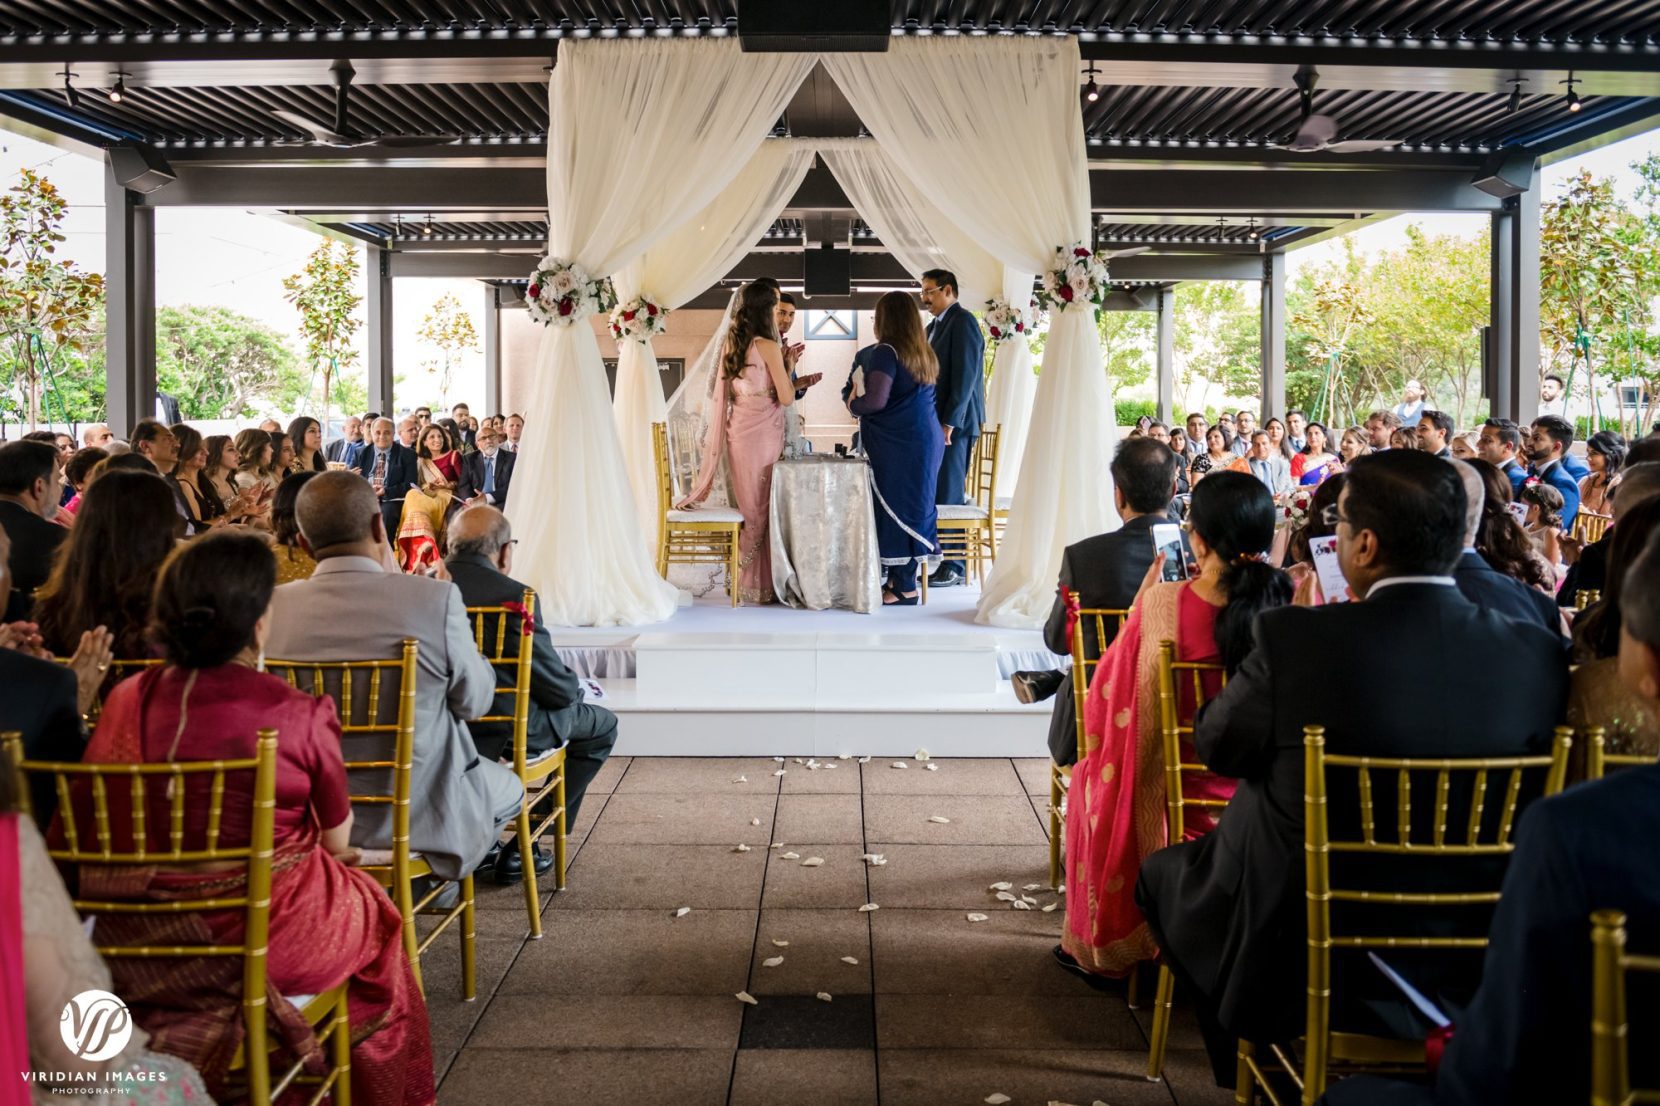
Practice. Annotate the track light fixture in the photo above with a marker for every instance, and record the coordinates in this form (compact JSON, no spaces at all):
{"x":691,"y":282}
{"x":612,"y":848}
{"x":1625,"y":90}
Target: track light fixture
{"x":427,"y":227}
{"x":1515,"y":103}
{"x":69,"y":91}
{"x":119,"y":92}
{"x":1574,"y":102}
{"x":1251,"y":231}
{"x":1092,"y":91}
{"x":397,"y":224}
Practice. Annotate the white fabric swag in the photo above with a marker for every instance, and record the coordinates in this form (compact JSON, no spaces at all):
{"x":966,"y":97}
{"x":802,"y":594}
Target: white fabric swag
{"x":678,"y":268}
{"x":642,"y":135}
{"x":1012,"y":388}
{"x":988,"y":129}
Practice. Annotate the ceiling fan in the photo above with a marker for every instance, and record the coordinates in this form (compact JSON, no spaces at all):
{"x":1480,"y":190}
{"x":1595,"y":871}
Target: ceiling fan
{"x":1315,"y":133}
{"x":341,"y":136}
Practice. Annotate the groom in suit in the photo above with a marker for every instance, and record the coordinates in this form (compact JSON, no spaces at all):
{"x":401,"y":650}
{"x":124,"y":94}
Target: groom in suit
{"x":959,"y":396}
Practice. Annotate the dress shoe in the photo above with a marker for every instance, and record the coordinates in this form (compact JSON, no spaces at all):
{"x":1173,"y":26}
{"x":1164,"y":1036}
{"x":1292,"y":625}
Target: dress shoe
{"x":510,"y":864}
{"x":1099,"y":982}
{"x":1035,"y":687}
{"x":447,"y":899}
{"x":945,"y":578}
{"x":488,"y":864}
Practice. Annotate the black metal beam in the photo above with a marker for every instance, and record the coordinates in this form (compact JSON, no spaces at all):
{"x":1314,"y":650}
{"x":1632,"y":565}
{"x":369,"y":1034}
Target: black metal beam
{"x":1150,"y":268}
{"x":1243,"y":192}
{"x":1334,"y":50}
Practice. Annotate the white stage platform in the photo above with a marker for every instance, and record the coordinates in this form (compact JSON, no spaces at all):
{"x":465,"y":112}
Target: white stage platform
{"x":714,"y":681}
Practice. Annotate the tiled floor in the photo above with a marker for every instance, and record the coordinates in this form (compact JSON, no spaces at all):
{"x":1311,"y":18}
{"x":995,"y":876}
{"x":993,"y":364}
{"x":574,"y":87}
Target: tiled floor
{"x":624,"y":1002}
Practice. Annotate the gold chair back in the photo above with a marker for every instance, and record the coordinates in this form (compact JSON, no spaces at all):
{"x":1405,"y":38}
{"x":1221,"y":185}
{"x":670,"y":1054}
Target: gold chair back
{"x":665,"y":480}
{"x":118,"y":671}
{"x":981,"y":482}
{"x":1174,"y":676}
{"x":1610,"y":1043}
{"x":690,"y":541}
{"x":1598,"y":760}
{"x":1586,"y":597}
{"x":1089,"y":642}
{"x":1590,"y":527}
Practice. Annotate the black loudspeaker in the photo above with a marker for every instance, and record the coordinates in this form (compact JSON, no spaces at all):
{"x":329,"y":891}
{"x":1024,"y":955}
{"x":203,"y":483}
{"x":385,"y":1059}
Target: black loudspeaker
{"x":140,"y":168}
{"x":791,"y":27}
{"x":1505,"y":174}
{"x":829,"y":272}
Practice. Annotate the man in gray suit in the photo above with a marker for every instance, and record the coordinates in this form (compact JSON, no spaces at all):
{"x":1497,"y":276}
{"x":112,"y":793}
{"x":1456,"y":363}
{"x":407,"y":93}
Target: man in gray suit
{"x":1268,"y":464}
{"x":459,"y":801}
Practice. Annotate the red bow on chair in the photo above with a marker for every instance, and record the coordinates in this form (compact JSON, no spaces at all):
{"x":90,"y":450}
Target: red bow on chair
{"x":1435,"y":1046}
{"x":1073,"y":606}
{"x":527,"y":622}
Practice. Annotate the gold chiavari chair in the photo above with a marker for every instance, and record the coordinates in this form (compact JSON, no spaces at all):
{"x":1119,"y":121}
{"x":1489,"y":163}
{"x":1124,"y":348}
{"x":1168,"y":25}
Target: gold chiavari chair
{"x":543,"y":777}
{"x":1589,"y":526}
{"x":1598,"y":760}
{"x":708,"y":535}
{"x":1489,"y":831}
{"x":365,"y":694}
{"x":1174,"y":731}
{"x":968,"y":532}
{"x":104,"y":845}
{"x":1610,"y":1044}
{"x":1089,"y":641}
{"x":118,"y":671}
{"x":1585,"y":597}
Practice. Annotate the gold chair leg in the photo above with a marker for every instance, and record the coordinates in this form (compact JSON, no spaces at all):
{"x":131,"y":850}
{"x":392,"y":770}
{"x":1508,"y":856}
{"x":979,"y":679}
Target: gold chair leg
{"x":341,"y":1040}
{"x":1055,"y":828}
{"x":1160,"y":1035}
{"x":469,"y":941}
{"x":411,"y":941}
{"x":527,"y":858}
{"x":1132,"y":992}
{"x":734,"y":557}
{"x":559,"y":829}
{"x":1244,"y":1082}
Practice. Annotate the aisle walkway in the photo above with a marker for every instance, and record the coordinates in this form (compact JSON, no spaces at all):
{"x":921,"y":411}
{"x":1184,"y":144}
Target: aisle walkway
{"x":625,"y":1002}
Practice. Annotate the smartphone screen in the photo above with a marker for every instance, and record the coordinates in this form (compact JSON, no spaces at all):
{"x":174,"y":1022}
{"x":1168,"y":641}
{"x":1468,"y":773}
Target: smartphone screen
{"x":1518,"y":509}
{"x":1169,"y":540}
{"x":1326,"y":567}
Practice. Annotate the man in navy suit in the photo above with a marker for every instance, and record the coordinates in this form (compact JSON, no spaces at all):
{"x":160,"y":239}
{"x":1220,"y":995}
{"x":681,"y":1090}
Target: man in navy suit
{"x":1482,"y":584}
{"x":959,"y":396}
{"x":391,"y":470}
{"x":1500,"y":442}
{"x":1548,"y":447}
{"x":487,"y":470}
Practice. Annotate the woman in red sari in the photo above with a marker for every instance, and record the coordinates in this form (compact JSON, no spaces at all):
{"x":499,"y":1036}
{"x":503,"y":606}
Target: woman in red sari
{"x":1115,"y":813}
{"x":427,"y":508}
{"x":329,"y":922}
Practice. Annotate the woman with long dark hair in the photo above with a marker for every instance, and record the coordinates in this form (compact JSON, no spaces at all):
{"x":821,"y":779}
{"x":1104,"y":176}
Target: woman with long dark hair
{"x":1277,"y":439}
{"x":293,"y":562}
{"x":746,"y":429}
{"x":306,"y":433}
{"x":1115,"y":814}
{"x":420,"y":537}
{"x":199,"y":500}
{"x":126,"y":526}
{"x":1605,"y":455}
{"x":1500,"y":539}
{"x":891,"y":393}
{"x":1316,"y":461}
{"x":1596,"y":695}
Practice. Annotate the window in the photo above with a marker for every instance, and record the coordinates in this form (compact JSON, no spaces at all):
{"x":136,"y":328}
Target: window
{"x":832,"y":326}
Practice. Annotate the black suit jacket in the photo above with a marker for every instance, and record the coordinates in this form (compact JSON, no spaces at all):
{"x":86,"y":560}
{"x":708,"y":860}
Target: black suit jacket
{"x":1416,"y":670}
{"x":1491,"y":589}
{"x":403,"y":469}
{"x":472,"y":475}
{"x":960,"y":392}
{"x":40,"y":703}
{"x":34,"y":545}
{"x":1105,"y":571}
{"x":555,"y":691}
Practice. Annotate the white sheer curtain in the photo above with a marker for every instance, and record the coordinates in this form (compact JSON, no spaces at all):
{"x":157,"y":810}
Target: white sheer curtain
{"x":679,"y":267}
{"x":988,"y":129}
{"x":1013,"y":387}
{"x":642,"y":134}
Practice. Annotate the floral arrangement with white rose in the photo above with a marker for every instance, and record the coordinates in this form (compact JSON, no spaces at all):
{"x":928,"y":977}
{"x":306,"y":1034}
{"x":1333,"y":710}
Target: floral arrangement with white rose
{"x":1076,"y":277}
{"x":1294,"y":507}
{"x":1004,"y":320}
{"x":562,"y":292}
{"x":638,"y":320}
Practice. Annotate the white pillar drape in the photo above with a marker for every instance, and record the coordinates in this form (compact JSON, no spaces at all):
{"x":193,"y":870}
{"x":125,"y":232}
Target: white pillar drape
{"x":935,"y":104}
{"x":679,"y":267}
{"x":1013,"y":387}
{"x":642,"y":135}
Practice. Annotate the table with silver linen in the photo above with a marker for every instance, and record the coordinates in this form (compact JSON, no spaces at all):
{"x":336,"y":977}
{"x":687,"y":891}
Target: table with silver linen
{"x":823,"y":534}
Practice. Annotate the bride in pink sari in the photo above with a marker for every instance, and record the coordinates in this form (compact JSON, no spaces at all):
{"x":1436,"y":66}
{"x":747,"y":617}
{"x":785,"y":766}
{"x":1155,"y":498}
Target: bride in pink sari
{"x":1115,"y":812}
{"x":746,"y":430}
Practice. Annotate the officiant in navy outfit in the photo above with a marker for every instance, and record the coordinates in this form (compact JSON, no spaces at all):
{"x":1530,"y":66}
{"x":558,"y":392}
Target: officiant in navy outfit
{"x":959,"y":396}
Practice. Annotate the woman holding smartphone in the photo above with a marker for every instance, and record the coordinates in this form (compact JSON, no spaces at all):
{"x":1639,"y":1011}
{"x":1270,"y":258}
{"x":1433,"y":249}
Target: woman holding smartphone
{"x":1116,"y":813}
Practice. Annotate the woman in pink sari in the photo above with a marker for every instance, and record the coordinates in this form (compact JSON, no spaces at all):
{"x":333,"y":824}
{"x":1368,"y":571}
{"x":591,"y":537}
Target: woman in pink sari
{"x":746,"y":430}
{"x":1115,"y":812}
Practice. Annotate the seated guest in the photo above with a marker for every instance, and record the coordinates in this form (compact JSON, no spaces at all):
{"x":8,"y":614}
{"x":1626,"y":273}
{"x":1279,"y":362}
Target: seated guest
{"x":486,"y":472}
{"x":1104,"y":571}
{"x":481,"y":557}
{"x":123,"y":532}
{"x":212,"y":613}
{"x":1639,"y":479}
{"x":1227,"y":910}
{"x":515,"y":427}
{"x":464,"y":800}
{"x":31,"y":485}
{"x":1543,"y":522}
{"x":1299,"y":558}
{"x":1380,"y":427}
{"x":344,"y":449}
{"x":218,"y":481}
{"x":1353,"y":444}
{"x":1526,"y":1037}
{"x":426,"y":506}
{"x":1435,"y":431}
{"x":49,"y":960}
{"x":391,"y":470}
{"x":410,"y":429}
{"x":1315,"y":462}
{"x":1463,"y":446}
{"x":156,"y":443}
{"x":1604,"y":454}
{"x":76,"y":475}
{"x":1500,"y":545}
{"x":98,"y":434}
{"x":1596,"y":697}
{"x":1548,"y":444}
{"x":282,"y":455}
{"x":1498,"y":445}
{"x":256,"y":478}
{"x":293,"y":562}
{"x":1115,"y":813}
{"x":305,"y":434}
{"x":202,"y":507}
{"x":1267,"y":465}
{"x":1217,"y":454}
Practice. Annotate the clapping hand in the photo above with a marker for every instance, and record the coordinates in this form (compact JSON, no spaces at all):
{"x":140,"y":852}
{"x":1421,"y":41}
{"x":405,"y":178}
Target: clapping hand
{"x":90,"y":662}
{"x":23,"y":637}
{"x":804,"y":382}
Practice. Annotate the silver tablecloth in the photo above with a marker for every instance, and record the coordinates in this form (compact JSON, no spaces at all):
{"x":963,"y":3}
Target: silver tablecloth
{"x":823,"y":534}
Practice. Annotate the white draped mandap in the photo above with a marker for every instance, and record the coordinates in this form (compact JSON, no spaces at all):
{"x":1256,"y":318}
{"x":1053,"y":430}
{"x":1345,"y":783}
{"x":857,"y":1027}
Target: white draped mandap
{"x":990,"y":188}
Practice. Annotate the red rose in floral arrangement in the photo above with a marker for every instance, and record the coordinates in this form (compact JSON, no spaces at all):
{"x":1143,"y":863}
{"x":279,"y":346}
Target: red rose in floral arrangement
{"x":1080,"y":252}
{"x":995,"y":333}
{"x":1020,"y":328}
{"x":651,"y":309}
{"x":628,"y":316}
{"x":565,"y":306}
{"x":534,"y":291}
{"x":1065,"y":292}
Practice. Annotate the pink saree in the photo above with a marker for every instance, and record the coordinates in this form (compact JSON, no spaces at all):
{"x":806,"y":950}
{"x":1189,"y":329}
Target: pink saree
{"x":14,"y":1042}
{"x":1115,"y":814}
{"x":746,"y":428}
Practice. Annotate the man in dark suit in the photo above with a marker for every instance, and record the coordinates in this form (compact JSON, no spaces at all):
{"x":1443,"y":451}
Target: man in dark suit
{"x":1549,"y":440}
{"x":1524,"y":1038}
{"x":31,"y":485}
{"x":1480,"y":583}
{"x":391,"y":470}
{"x":959,"y":395}
{"x":487,"y":471}
{"x":1498,"y":445}
{"x":345,"y":448}
{"x":481,"y":556}
{"x":1104,"y":571}
{"x":1227,"y":910}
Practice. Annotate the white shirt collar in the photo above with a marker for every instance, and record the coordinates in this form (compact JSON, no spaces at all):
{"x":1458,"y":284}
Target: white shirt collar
{"x":1391,"y":581}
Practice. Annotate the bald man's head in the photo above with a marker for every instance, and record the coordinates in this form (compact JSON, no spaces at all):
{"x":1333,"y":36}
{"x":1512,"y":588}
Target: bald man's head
{"x":337,"y":509}
{"x":480,"y":530}
{"x":1475,"y":493}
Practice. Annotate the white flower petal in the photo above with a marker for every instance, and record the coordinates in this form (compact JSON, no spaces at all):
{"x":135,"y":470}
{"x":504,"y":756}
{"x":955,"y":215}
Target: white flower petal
{"x":844,"y":756}
{"x":1032,"y":887}
{"x":1018,"y":905}
{"x":754,"y":821}
{"x":778,"y":760}
{"x":1001,"y":885}
{"x":1050,"y":908}
{"x":781,"y":944}
{"x":742,"y":848}
{"x":777,"y":844}
{"x":790,"y":856}
{"x":868,"y":907}
{"x":812,"y":862}
{"x":932,"y":767}
{"x":850,"y":960}
{"x":781,"y":772}
{"x":745,"y":996}
{"x":1028,"y":900}
{"x":1005,"y":896}
{"x":900,"y":764}
{"x":864,"y":760}
{"x":997,"y":1099}
{"x":978,"y":917}
{"x":823,"y":996}
{"x":682,"y":912}
{"x":741,"y":779}
{"x":772,"y":962}
{"x":939,"y":820}
{"x":921,"y":754}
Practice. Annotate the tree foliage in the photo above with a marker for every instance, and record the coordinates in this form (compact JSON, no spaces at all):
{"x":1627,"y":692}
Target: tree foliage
{"x":325,"y":292}
{"x":222,"y":365}
{"x":48,"y":307}
{"x":449,"y":327}
{"x":1217,"y":339}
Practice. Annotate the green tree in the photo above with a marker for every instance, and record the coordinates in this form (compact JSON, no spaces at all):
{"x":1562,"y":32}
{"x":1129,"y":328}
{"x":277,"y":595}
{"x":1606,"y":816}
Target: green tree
{"x":450,"y":328}
{"x":325,"y":292}
{"x":1127,"y":339}
{"x":223,"y":365}
{"x":47,"y":306}
{"x":1216,"y":338}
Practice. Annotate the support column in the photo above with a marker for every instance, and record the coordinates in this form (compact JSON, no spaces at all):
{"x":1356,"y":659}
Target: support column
{"x":1499,"y":386}
{"x":1512,"y":372}
{"x":377,"y":265}
{"x":129,"y":307}
{"x":1273,"y":335}
{"x":1166,"y":357}
{"x":492,"y":350}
